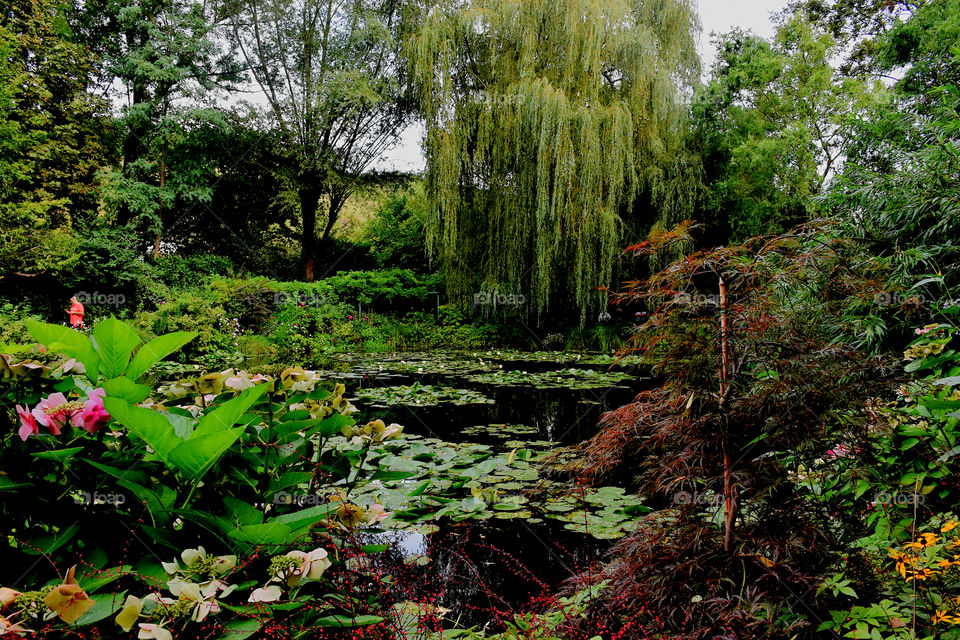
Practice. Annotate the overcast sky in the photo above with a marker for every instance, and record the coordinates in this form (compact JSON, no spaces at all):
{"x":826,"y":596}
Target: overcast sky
{"x":715,"y":16}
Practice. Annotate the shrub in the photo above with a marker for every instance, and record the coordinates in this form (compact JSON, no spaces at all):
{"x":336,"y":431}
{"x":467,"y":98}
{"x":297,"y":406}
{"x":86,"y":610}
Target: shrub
{"x":187,"y":272}
{"x":396,"y":236}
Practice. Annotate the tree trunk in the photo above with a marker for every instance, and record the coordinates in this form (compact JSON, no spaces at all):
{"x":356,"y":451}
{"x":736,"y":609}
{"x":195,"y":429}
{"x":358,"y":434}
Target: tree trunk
{"x":309,"y":203}
{"x":729,"y":490}
{"x":336,"y":206}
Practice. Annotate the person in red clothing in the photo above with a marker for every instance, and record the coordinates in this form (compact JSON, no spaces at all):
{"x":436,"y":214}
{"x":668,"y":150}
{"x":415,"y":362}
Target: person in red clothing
{"x":76,"y":313}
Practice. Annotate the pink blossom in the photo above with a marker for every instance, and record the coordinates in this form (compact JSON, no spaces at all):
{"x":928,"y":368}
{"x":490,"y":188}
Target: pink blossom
{"x":28,"y":424}
{"x":92,"y":416}
{"x":376,"y":513}
{"x":840,"y":451}
{"x":54,"y":412}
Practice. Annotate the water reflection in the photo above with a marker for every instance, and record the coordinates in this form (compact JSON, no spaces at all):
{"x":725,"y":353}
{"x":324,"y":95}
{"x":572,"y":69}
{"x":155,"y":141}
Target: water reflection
{"x":480,"y":574}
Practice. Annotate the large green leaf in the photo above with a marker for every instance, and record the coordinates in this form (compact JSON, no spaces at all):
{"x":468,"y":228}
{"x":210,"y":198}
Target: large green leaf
{"x":156,"y":350}
{"x":346,"y":622}
{"x":238,"y":629}
{"x":63,"y":340}
{"x":149,"y":425}
{"x":194,"y":457}
{"x":115,"y":342}
{"x":105,"y":605}
{"x":47,"y":544}
{"x":130,"y":474}
{"x":331,"y":425}
{"x":58,"y":455}
{"x":269,"y":533}
{"x":306,"y":517}
{"x":93,"y":582}
{"x":227,"y":414}
{"x":126,"y":389}
{"x":244,"y":513}
{"x":156,"y":508}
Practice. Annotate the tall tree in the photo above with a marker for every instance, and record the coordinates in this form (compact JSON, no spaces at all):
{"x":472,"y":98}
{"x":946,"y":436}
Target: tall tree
{"x":544,"y":118}
{"x":51,"y":138}
{"x":856,"y":26}
{"x":165,"y":65}
{"x":925,"y":48}
{"x":333,"y":80}
{"x":772,"y":125}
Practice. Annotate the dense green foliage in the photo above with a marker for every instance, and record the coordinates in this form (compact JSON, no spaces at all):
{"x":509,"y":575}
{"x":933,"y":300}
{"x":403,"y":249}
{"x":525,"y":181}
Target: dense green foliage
{"x":792,"y":264}
{"x":772,"y":126}
{"x":544,"y":118}
{"x":52,"y":139}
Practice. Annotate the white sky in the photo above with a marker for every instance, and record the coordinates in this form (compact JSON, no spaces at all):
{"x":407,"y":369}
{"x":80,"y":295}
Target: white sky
{"x":716,"y":16}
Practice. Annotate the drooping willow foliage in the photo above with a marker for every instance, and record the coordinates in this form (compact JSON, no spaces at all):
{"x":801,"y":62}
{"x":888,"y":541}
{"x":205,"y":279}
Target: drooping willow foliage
{"x":544,"y":120}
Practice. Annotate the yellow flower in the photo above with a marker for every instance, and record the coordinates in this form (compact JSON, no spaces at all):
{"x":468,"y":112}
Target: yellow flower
{"x":68,"y":600}
{"x":950,"y":526}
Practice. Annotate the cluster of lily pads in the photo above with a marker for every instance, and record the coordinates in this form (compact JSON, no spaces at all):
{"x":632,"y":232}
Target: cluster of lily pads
{"x":563,"y":378}
{"x":504,"y":432}
{"x":561,"y":357}
{"x":422,"y":480}
{"x":417,"y":395}
{"x":441,"y":362}
{"x":471,"y":362}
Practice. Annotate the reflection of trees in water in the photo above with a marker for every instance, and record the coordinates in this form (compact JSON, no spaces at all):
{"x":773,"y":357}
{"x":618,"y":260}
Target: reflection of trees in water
{"x":484,"y":572}
{"x":567,"y":415}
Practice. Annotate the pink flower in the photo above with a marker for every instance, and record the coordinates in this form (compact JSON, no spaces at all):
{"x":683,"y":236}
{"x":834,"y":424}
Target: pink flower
{"x":92,"y":416}
{"x":156,"y":632}
{"x":840,"y":451}
{"x":28,"y":424}
{"x":376,"y":513}
{"x":54,"y":412}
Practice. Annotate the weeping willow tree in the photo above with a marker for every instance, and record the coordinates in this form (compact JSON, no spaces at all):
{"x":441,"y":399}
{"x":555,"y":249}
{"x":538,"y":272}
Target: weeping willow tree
{"x":544,"y":120}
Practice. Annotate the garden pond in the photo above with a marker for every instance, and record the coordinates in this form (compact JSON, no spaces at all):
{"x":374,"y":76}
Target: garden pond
{"x":484,"y":521}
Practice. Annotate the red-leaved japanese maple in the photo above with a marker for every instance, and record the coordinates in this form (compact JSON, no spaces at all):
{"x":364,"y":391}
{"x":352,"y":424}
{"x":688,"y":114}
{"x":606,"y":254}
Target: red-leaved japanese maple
{"x":753,"y":347}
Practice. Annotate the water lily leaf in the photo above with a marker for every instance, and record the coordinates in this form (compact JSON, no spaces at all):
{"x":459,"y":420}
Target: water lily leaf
{"x":392,"y":475}
{"x":420,"y":489}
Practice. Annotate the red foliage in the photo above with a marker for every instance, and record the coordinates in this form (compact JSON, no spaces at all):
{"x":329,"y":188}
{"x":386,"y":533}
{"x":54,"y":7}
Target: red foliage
{"x":753,"y":346}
